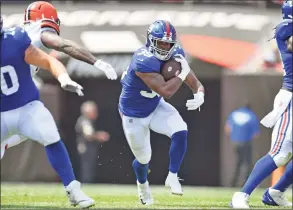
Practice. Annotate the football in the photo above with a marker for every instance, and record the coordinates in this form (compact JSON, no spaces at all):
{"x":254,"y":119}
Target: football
{"x":170,"y":69}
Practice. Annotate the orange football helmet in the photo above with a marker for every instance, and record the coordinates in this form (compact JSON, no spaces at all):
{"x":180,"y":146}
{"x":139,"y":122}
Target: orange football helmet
{"x":41,"y":10}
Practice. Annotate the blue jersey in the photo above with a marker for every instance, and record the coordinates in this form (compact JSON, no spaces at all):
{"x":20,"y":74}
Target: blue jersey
{"x":283,"y":31}
{"x":17,"y":86}
{"x":244,"y":124}
{"x":137,"y":99}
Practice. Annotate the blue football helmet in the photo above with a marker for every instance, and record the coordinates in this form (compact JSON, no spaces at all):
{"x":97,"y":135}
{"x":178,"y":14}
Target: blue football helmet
{"x":161,"y":39}
{"x":287,"y":9}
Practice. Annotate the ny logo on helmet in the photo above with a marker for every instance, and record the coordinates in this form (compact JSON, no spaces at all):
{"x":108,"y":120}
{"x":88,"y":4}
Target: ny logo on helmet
{"x":167,"y":36}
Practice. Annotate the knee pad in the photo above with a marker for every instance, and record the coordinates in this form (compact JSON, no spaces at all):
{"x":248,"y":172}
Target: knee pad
{"x":181,"y":126}
{"x":51,"y":136}
{"x":282,"y":159}
{"x":144,"y":158}
{"x":174,"y":124}
{"x":184,"y":126}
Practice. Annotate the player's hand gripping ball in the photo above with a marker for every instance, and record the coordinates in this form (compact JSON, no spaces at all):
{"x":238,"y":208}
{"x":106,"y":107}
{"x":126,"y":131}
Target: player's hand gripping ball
{"x":170,"y":69}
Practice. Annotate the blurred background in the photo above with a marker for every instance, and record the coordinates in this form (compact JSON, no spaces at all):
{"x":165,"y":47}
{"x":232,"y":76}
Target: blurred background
{"x":227,"y":46}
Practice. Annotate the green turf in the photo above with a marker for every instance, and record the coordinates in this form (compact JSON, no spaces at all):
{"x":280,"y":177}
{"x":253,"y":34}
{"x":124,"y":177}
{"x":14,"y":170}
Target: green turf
{"x":48,"y":196}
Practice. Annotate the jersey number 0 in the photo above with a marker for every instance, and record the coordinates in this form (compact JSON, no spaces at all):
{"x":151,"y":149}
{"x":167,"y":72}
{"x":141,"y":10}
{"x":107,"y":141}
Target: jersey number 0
{"x":9,"y":80}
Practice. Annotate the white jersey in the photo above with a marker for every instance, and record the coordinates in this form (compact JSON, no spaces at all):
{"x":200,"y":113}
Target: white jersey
{"x":34,"y":31}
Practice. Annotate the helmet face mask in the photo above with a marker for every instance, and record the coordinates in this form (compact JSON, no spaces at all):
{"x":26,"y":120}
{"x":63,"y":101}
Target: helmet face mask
{"x":161,"y":39}
{"x":162,"y":49}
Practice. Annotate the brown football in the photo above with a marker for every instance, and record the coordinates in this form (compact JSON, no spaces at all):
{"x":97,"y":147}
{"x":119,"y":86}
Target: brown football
{"x":170,"y":69}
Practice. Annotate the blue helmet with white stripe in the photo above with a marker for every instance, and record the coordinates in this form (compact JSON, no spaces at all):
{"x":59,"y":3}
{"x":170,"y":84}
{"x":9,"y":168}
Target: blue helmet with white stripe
{"x":287,"y":9}
{"x":161,"y":39}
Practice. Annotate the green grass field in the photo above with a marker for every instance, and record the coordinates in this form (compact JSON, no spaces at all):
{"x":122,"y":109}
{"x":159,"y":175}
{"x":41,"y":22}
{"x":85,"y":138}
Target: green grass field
{"x":52,"y":196}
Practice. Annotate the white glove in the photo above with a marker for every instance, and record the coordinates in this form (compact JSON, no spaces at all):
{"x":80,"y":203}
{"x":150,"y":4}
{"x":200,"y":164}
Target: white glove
{"x":184,"y":65}
{"x":196,"y":102}
{"x":69,"y":85}
{"x":107,"y":69}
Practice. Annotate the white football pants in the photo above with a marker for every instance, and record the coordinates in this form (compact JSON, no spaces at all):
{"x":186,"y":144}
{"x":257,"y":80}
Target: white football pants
{"x":165,"y":120}
{"x":32,"y":121}
{"x":281,"y":147}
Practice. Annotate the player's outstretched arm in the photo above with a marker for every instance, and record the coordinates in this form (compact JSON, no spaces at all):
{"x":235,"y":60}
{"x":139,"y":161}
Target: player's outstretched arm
{"x":289,"y":44}
{"x":54,"y":41}
{"x":37,"y":57}
{"x":157,"y":83}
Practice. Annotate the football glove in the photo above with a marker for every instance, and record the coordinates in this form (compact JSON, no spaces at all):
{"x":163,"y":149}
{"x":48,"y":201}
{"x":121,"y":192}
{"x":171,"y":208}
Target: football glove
{"x":69,"y":85}
{"x":184,"y":65}
{"x":196,"y":102}
{"x":107,"y":69}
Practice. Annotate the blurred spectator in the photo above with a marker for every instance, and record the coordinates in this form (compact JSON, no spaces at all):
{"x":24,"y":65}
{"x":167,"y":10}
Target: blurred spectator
{"x":88,"y":141}
{"x":242,"y":127}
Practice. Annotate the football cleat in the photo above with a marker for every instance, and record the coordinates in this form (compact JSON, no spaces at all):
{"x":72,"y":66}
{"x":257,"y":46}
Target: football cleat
{"x":144,"y":193}
{"x":172,"y":181}
{"x":78,"y":197}
{"x":274,"y":197}
{"x":240,"y":201}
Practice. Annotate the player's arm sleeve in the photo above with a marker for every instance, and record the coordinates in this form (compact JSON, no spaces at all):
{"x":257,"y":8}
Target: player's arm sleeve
{"x":22,"y":38}
{"x":285,"y":31}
